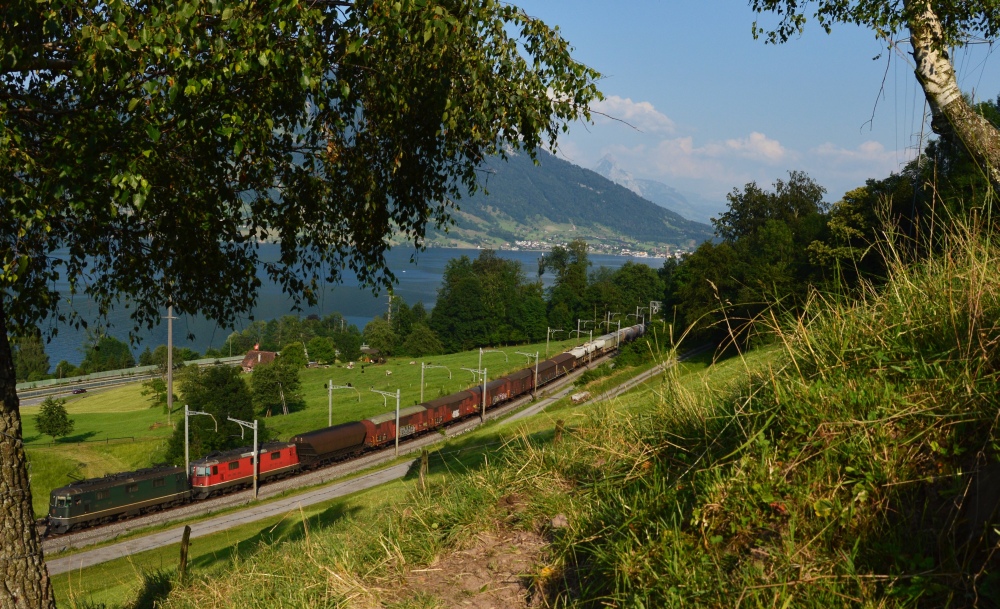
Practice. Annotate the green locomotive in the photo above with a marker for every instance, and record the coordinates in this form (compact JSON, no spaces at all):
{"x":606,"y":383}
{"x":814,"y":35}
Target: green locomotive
{"x":100,"y":500}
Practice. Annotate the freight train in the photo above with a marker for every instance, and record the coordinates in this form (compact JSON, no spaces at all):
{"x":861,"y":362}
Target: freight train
{"x":96,"y":501}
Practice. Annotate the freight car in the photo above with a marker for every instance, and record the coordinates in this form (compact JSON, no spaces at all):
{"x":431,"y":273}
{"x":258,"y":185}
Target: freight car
{"x":100,"y":500}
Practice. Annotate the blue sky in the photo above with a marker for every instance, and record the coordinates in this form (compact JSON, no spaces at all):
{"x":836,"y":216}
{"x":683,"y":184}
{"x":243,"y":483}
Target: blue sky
{"x":717,"y":109}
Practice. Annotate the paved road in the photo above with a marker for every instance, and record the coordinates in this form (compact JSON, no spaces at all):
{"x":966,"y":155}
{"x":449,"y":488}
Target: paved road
{"x":226,"y":521}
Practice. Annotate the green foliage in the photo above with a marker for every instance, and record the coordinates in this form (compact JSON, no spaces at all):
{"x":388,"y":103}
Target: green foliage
{"x":276,"y":385}
{"x":321,"y":349}
{"x":106,"y":353}
{"x":156,"y":390}
{"x":349,"y":345}
{"x":294,"y":354}
{"x":158,"y":356}
{"x":64,"y":369}
{"x":30,"y":360}
{"x":379,"y":335}
{"x":486,"y":301}
{"x":53,"y":420}
{"x":422,"y":341}
{"x":187,"y":164}
{"x":222,"y":392}
{"x":764,"y":257}
{"x":961,"y":20}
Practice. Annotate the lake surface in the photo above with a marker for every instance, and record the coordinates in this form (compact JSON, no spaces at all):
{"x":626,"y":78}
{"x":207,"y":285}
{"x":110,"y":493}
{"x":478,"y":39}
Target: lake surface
{"x":418,"y":282}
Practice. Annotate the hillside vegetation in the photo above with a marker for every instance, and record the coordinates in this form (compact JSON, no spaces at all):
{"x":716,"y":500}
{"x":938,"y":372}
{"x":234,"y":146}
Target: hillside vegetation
{"x":854,"y":463}
{"x":559,"y":201}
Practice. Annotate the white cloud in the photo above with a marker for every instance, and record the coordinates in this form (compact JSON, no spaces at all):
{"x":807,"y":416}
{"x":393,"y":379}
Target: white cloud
{"x":641,"y":115}
{"x":758,"y":147}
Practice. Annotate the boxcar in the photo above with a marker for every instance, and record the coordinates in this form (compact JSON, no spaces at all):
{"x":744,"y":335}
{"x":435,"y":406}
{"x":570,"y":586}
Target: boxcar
{"x":381,"y":429}
{"x":324,"y":445}
{"x":233,"y":469}
{"x":522,"y":382}
{"x":98,"y":500}
{"x":450,"y":407}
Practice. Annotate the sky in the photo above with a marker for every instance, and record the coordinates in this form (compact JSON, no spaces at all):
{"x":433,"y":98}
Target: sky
{"x":713,"y":109}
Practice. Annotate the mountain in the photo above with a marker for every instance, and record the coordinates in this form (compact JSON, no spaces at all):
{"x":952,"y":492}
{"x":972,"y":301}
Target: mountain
{"x":555,"y":202}
{"x":690,"y":205}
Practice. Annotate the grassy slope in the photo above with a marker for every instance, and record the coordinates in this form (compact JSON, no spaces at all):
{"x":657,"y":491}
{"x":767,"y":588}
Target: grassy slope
{"x":854,"y":463}
{"x":855,"y":466}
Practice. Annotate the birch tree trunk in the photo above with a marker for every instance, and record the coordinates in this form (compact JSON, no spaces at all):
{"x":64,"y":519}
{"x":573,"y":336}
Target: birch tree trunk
{"x":949,"y":110}
{"x":24,"y":579}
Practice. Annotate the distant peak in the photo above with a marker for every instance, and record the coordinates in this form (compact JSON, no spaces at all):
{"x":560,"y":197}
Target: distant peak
{"x":608,"y":167}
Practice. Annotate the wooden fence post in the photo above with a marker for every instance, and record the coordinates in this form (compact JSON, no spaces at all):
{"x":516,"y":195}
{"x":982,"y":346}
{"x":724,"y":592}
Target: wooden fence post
{"x":559,"y":429}
{"x":423,"y":470}
{"x":185,"y":540}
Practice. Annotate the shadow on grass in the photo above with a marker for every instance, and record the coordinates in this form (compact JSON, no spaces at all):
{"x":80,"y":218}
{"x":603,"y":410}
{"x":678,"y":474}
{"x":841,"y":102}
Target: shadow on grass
{"x":156,"y":586}
{"x":80,"y":437}
{"x":289,"y":529}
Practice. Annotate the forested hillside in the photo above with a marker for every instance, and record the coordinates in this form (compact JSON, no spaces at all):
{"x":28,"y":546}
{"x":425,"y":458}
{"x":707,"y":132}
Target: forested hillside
{"x":557,"y":201}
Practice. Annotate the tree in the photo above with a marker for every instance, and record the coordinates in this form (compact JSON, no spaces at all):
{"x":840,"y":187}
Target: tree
{"x":379,"y":335}
{"x":421,"y":342}
{"x":321,"y":349}
{"x":275,"y":385}
{"x":294,"y":354}
{"x":30,"y":359}
{"x":155,"y":148}
{"x":934,"y":26}
{"x":221,"y":392}
{"x":53,"y":420}
{"x":156,"y":389}
{"x":348,"y":344}
{"x":107,"y":353}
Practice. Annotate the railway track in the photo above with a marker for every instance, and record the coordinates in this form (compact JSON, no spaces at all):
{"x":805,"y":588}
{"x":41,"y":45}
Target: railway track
{"x":78,"y":539}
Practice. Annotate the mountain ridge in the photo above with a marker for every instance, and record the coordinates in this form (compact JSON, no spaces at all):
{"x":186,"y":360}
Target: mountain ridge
{"x":555,"y":201}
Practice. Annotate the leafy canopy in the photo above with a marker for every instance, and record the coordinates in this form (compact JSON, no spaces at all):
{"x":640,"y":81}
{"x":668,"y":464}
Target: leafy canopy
{"x":887,"y":18}
{"x":147,"y":148}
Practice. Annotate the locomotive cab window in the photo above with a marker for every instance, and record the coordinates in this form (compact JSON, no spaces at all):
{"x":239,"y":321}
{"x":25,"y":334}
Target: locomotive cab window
{"x":234,"y":465}
{"x":132,"y":488}
{"x":275,"y":456}
{"x":102,"y":494}
{"x":157,"y":483}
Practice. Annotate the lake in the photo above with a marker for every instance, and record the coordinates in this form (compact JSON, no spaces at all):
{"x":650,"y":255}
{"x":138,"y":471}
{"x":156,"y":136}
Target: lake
{"x":417,"y":282}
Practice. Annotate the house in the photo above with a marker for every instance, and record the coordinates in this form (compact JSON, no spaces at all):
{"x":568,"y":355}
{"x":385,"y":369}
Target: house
{"x":255,"y":357}
{"x":371,"y":355}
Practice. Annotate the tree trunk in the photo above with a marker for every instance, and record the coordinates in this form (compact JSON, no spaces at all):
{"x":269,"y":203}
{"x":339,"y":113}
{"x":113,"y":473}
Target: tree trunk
{"x":949,"y":110}
{"x":24,"y":579}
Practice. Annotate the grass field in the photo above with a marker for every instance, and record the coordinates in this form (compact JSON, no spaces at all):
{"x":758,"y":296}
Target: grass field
{"x":336,"y":527}
{"x":116,"y":429}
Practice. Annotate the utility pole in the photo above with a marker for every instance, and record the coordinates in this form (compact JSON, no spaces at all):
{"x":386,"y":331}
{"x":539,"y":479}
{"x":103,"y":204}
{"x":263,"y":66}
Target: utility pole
{"x":187,"y":449}
{"x":170,"y":361}
{"x":329,"y":390}
{"x":255,"y":456}
{"x":534,"y":388}
{"x":423,"y":367}
{"x":549,"y":332}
